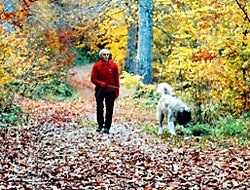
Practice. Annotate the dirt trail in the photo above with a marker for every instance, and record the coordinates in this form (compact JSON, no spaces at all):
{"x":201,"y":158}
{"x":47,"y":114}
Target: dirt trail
{"x":79,"y":78}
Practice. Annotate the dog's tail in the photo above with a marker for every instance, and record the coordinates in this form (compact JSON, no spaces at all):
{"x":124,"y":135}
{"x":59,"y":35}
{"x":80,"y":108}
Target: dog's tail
{"x":164,"y":88}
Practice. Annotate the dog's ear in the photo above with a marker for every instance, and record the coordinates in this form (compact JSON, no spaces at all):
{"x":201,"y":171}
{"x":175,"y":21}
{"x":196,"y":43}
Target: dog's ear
{"x":164,"y":88}
{"x":166,"y":105}
{"x":183,"y":117}
{"x":166,"y":91}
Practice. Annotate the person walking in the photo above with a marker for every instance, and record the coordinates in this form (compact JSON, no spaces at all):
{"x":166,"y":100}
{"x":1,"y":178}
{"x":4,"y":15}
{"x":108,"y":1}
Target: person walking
{"x":105,"y":76}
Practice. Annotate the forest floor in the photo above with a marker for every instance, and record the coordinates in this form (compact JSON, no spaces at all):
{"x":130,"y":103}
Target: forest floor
{"x":59,"y":148}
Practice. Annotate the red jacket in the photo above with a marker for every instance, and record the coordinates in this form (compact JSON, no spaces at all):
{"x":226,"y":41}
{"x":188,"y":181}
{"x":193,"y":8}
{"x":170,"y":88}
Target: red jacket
{"x":105,"y":73}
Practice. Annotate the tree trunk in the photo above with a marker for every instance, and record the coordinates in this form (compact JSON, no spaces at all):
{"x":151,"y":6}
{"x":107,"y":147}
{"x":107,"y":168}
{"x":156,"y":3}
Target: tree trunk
{"x":130,"y":61}
{"x":145,"y":40}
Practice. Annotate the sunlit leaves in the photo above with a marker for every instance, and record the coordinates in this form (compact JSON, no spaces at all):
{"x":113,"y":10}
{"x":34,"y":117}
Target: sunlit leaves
{"x":210,"y":51}
{"x":130,"y":81}
{"x":42,"y":14}
{"x":200,"y":43}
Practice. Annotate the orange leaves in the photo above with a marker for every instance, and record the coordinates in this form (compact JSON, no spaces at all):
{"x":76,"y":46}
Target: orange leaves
{"x":149,"y":186}
{"x":13,"y":18}
{"x":7,"y":16}
{"x":55,"y":112}
{"x":70,"y":58}
{"x":27,"y":3}
{"x":112,"y":167}
{"x":204,"y":55}
{"x":17,"y":18}
{"x":65,"y":34}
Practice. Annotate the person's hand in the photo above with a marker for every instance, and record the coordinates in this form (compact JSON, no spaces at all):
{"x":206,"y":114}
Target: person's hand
{"x":103,"y":84}
{"x":117,"y":93}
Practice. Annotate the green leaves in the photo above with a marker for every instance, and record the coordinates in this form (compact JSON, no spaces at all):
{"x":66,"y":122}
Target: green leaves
{"x":234,"y":127}
{"x":56,"y":90}
{"x":9,"y":115}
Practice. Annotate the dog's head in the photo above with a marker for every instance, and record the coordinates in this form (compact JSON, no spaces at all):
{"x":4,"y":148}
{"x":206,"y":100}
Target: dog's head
{"x":164,"y":88}
{"x":184,"y":116}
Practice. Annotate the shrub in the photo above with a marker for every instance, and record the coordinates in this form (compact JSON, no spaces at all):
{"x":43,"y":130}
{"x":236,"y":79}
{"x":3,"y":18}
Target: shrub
{"x":9,"y":111}
{"x":200,"y":129}
{"x":129,"y":81}
{"x":56,"y":90}
{"x":83,"y":57}
{"x":234,"y":127}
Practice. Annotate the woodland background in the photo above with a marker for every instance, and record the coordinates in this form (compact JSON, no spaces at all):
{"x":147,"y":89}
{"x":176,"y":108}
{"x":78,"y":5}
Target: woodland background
{"x":47,"y":130}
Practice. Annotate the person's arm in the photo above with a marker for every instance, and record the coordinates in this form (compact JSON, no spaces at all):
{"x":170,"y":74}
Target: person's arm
{"x":117,"y":82}
{"x":94,"y":78}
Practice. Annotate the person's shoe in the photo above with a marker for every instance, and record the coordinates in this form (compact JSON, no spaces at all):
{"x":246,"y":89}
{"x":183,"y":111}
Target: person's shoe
{"x":106,"y":130}
{"x":98,"y":129}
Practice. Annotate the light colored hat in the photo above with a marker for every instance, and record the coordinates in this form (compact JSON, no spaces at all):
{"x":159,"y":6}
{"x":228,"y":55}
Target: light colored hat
{"x":103,"y":51}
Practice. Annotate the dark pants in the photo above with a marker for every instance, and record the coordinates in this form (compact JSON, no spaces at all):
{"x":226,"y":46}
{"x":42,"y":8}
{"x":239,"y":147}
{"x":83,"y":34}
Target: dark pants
{"x":109,"y":103}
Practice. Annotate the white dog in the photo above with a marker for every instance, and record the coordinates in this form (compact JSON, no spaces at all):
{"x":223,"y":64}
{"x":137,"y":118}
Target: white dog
{"x":172,"y":108}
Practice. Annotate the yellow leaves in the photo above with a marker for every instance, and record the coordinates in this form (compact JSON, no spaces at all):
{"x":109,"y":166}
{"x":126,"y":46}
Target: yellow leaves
{"x":129,"y":81}
{"x":182,"y":35}
{"x":116,"y":40}
{"x":110,"y":29}
{"x":179,"y":58}
{"x":6,"y":59}
{"x":80,"y":28}
{"x":43,"y":60}
{"x":5,"y":77}
{"x":214,"y":33}
{"x":81,"y":46}
{"x":218,"y":28}
{"x":43,"y":14}
{"x":26,"y":63}
{"x":164,"y":1}
{"x":1,"y":55}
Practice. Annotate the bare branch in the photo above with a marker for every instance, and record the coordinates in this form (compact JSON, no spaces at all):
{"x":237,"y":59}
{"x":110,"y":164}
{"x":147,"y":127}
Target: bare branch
{"x":243,"y":10}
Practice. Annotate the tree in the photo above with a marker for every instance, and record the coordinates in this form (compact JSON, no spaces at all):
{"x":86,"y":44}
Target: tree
{"x":145,"y":40}
{"x":130,"y":60}
{"x":209,"y":56}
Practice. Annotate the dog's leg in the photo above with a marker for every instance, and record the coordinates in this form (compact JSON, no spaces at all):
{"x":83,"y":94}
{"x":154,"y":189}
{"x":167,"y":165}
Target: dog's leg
{"x":160,"y":118}
{"x":171,"y":120}
{"x":171,"y":127}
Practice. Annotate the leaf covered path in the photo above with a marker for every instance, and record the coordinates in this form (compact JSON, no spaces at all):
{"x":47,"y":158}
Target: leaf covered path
{"x":59,"y":149}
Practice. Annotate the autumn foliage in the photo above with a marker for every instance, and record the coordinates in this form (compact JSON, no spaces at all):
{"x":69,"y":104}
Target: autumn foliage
{"x":195,"y":48}
{"x":207,"y":57}
{"x":201,"y":48}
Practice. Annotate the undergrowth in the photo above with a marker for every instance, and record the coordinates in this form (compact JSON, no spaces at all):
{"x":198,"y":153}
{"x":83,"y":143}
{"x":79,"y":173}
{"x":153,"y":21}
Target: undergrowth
{"x":83,"y":57}
{"x":56,"y":90}
{"x":9,"y":110}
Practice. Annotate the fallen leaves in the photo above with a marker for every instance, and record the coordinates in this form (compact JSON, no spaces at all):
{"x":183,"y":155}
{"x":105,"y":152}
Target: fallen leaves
{"x":52,"y":151}
{"x":76,"y":157}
